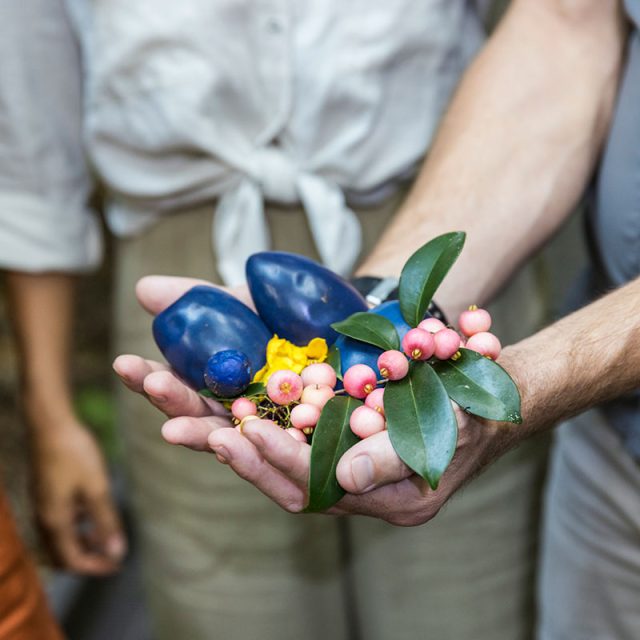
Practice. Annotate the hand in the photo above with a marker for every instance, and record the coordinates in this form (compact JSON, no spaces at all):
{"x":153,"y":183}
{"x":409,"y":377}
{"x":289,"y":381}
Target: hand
{"x":195,"y":416}
{"x":377,"y":481}
{"x":73,"y":501}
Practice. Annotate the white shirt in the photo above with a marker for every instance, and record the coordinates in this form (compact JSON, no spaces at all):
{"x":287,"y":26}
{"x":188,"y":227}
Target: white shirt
{"x":234,"y":102}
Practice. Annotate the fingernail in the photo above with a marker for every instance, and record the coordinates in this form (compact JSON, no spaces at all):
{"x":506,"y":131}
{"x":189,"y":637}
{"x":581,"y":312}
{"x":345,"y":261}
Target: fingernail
{"x":222,"y":455}
{"x":116,"y":547}
{"x":362,"y":473}
{"x":160,"y":399}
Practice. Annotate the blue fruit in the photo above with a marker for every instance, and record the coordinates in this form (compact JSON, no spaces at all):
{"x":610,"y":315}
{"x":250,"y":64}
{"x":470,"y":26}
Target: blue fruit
{"x":202,"y":322}
{"x":356,"y":352}
{"x":299,"y":299}
{"x":227,"y":373}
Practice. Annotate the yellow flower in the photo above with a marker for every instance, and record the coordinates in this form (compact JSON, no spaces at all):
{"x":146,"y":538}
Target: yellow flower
{"x":282,"y":354}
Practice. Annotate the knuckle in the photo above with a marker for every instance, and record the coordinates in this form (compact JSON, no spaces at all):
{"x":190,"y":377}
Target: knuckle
{"x":293,"y":500}
{"x":406,"y":520}
{"x":413,"y":518}
{"x":398,"y":520}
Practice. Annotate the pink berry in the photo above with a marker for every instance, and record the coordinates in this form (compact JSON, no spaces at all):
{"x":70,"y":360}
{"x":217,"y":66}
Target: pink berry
{"x":296,"y":434}
{"x":474,"y":320}
{"x":243,"y":407}
{"x":317,"y":394}
{"x":375,"y":400}
{"x":418,"y":344}
{"x":319,"y":373}
{"x":305,"y":415}
{"x":486,"y":344}
{"x":365,"y":422}
{"x":393,"y":365}
{"x":432,"y":325}
{"x":284,"y":386}
{"x":447,"y":343}
{"x":359,"y":380}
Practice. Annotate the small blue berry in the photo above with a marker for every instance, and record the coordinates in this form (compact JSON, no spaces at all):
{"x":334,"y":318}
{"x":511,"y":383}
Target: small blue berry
{"x":227,"y":373}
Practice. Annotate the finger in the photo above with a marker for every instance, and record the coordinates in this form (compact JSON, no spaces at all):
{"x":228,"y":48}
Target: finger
{"x":193,"y":433}
{"x":133,"y":369}
{"x":174,"y":398}
{"x":156,"y":293}
{"x":106,"y":526}
{"x":65,"y":540}
{"x":406,"y":503}
{"x":232,"y":448}
{"x":371,"y":463}
{"x":283,"y":452}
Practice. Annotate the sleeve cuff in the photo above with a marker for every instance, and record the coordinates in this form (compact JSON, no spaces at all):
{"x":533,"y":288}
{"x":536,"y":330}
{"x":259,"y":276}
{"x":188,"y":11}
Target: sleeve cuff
{"x":36,"y":236}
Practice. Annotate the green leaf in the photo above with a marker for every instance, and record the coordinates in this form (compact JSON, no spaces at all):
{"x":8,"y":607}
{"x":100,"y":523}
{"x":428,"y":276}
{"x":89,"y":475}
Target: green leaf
{"x":255,"y":389}
{"x":423,"y":273}
{"x":480,"y":386}
{"x":331,"y":438}
{"x":370,"y":328}
{"x":333,"y":360}
{"x":421,"y":422}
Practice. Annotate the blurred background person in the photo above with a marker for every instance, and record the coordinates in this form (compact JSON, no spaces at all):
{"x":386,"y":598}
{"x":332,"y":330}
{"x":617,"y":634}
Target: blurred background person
{"x":217,"y":129}
{"x":72,"y":495}
{"x":46,"y":235}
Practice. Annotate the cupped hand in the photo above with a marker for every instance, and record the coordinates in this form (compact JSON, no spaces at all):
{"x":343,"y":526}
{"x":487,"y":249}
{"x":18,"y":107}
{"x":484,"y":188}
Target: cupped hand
{"x":377,"y":482}
{"x":75,"y":510}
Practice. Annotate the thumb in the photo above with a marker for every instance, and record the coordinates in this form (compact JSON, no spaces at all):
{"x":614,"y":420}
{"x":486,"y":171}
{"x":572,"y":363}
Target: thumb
{"x":371,"y":463}
{"x":156,"y":293}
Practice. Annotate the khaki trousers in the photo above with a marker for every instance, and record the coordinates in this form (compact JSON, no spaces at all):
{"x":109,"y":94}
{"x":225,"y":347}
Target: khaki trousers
{"x":222,"y":562}
{"x":590,"y":562}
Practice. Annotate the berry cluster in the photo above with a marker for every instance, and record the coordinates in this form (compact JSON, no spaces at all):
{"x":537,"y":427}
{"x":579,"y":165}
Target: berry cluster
{"x":296,"y":400}
{"x":430,"y":339}
{"x":291,"y":400}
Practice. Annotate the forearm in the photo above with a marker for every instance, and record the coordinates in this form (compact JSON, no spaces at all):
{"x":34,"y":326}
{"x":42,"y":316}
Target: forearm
{"x":41,"y":312}
{"x":516,"y":146}
{"x":588,"y":357}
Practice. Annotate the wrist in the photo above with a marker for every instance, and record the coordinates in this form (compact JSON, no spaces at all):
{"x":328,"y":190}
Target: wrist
{"x":48,"y":412}
{"x":376,"y":289}
{"x":517,"y":361}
